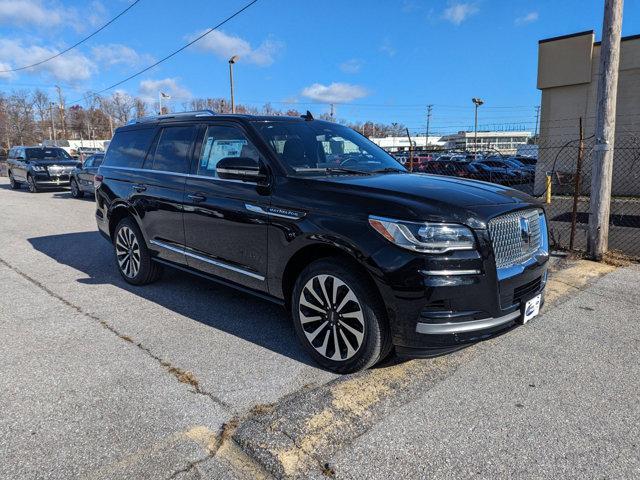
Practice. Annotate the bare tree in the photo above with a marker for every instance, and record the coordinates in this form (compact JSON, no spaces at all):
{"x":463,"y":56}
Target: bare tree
{"x":41,"y":103}
{"x":140,"y":107}
{"x":122,"y":105}
{"x":20,"y":118}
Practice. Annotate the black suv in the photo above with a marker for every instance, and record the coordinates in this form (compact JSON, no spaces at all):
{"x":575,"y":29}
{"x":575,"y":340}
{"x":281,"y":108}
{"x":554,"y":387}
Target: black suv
{"x":312,"y":215}
{"x":39,"y":167}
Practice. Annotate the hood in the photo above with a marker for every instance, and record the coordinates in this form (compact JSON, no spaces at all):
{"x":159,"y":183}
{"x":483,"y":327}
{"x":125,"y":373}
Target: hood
{"x":438,"y":189}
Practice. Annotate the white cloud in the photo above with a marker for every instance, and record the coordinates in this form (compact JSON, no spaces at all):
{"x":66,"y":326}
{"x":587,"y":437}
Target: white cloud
{"x":351,"y":66}
{"x":528,"y":18}
{"x":387,"y":48}
{"x":149,"y":89}
{"x":118,"y":54}
{"x":225,"y":46}
{"x":334,"y":93}
{"x":6,"y":75}
{"x":457,"y":13}
{"x":24,"y":12}
{"x":70,"y":67}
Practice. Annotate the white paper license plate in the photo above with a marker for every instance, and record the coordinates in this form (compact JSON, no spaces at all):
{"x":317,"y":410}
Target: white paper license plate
{"x":531,"y":308}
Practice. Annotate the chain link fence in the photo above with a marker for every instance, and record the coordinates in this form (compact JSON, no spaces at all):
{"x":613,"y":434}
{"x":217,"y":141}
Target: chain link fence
{"x":561,"y":174}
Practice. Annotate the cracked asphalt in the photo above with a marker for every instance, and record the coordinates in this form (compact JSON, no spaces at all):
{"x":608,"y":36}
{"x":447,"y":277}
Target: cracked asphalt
{"x":185,"y":379}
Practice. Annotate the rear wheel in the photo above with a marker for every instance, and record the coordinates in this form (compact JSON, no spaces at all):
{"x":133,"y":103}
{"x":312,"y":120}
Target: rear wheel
{"x":12,"y":182}
{"x":339,"y":317}
{"x":75,"y":189}
{"x":132,"y":255}
{"x":31,"y":183}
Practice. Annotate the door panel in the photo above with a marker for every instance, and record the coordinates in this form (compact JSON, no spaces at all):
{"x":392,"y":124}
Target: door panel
{"x":223,"y":236}
{"x":158,"y":190}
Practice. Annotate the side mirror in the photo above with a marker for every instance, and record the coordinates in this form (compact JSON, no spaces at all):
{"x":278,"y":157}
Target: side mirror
{"x":245,"y":169}
{"x":79,"y":165}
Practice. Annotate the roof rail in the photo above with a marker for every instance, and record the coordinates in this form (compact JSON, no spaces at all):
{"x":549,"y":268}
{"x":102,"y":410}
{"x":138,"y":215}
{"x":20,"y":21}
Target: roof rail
{"x":168,"y":116}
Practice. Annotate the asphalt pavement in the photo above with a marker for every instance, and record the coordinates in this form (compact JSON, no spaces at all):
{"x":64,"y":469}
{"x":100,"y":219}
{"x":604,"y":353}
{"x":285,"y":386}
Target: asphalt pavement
{"x":187,"y":379}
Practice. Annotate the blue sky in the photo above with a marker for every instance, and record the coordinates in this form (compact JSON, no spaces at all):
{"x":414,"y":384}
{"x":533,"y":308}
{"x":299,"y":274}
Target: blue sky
{"x":377,"y":60}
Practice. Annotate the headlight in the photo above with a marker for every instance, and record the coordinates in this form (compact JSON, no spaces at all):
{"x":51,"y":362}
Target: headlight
{"x":424,"y":237}
{"x":38,"y":168}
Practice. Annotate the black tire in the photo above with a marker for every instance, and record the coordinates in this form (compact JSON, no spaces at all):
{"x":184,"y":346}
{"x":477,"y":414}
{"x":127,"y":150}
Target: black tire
{"x":75,"y":189}
{"x":364,"y":319}
{"x":127,"y":237}
{"x":15,"y":185}
{"x":31,"y":183}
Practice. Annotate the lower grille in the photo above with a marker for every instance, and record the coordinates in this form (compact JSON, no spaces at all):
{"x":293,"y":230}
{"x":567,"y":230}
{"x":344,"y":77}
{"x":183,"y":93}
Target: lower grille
{"x":520,"y":293}
{"x":515,"y":237}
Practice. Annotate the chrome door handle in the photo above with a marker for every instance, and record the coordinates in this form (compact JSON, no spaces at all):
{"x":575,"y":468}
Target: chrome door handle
{"x":139,"y":187}
{"x":197,"y":198}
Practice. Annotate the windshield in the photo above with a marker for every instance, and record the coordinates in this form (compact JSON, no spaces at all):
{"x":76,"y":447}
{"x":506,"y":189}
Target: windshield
{"x":322,"y":148}
{"x":47,"y":152}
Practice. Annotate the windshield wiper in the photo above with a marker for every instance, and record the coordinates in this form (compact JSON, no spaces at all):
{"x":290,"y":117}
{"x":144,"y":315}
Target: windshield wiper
{"x":389,"y":170}
{"x":346,"y":170}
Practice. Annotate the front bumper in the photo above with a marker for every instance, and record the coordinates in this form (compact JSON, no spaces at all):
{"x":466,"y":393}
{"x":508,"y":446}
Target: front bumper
{"x":431,"y":312}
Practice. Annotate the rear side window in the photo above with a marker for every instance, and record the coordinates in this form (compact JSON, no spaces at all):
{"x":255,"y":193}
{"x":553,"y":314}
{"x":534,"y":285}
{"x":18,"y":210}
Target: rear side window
{"x":97,"y":160}
{"x":173,"y":150}
{"x":128,"y":148}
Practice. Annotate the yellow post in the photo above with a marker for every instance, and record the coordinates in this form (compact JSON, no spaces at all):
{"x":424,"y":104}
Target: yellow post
{"x":548,"y":189}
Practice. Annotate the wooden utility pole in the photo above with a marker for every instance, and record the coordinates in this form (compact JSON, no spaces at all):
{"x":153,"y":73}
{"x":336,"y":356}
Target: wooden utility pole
{"x":602,"y":170}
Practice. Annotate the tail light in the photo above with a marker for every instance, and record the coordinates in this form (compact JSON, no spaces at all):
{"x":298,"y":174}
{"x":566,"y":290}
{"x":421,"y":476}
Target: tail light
{"x":97,"y":180}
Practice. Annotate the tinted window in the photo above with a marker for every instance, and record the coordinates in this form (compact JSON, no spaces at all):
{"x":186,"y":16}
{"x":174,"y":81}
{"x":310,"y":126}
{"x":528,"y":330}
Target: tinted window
{"x":173,"y":149}
{"x":97,"y":160}
{"x":309,"y":148}
{"x":88,"y":162}
{"x":46,"y":152}
{"x":128,"y":148}
{"x":222,"y":142}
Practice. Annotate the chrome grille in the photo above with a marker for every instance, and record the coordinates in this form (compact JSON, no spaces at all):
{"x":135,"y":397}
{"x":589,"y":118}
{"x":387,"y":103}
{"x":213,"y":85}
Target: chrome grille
{"x":513,"y":245}
{"x":59,"y":169}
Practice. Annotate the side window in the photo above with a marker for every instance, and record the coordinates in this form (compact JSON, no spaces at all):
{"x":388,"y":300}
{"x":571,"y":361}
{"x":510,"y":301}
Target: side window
{"x":128,"y":148}
{"x":173,"y":149}
{"x":88,"y":163}
{"x":97,"y":161}
{"x":222,"y":142}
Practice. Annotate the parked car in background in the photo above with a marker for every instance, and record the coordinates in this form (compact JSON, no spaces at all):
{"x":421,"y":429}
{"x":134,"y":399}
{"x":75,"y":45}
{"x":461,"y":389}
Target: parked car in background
{"x":420,"y":162}
{"x":518,"y":164}
{"x":453,"y":168}
{"x":39,"y":167}
{"x":365,"y":256}
{"x":82,"y":177}
{"x":498,"y":171}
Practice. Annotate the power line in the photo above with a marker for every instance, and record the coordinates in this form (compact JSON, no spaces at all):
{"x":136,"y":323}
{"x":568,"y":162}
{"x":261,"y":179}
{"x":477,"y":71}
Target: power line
{"x":172,"y":54}
{"x":75,"y":44}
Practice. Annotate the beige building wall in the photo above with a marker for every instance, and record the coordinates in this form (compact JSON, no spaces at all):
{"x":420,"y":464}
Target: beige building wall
{"x":568,"y":77}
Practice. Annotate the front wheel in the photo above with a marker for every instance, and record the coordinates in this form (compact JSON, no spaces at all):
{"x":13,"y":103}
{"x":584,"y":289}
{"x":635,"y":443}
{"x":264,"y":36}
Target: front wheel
{"x":132,"y":255}
{"x":33,"y":187}
{"x":339,"y":317}
{"x":12,"y":182}
{"x":75,"y":189}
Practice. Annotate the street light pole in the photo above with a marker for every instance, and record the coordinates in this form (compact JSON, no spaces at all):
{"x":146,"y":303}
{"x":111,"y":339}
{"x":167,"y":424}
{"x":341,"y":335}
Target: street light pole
{"x":232,"y":60}
{"x":477,"y":102}
{"x":53,"y":126}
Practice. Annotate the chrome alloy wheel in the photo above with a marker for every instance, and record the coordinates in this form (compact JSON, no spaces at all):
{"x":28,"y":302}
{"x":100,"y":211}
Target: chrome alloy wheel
{"x":128,"y":252}
{"x":332,"y":318}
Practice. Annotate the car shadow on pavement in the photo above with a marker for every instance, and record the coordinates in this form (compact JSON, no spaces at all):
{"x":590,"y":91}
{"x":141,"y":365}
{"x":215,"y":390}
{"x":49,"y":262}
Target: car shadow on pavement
{"x":217,"y":306}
